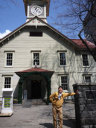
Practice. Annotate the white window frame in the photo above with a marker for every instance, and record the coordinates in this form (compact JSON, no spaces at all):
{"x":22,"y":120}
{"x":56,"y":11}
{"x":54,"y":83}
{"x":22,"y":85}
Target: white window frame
{"x":87,"y":60}
{"x":7,"y":76}
{"x":65,"y":57}
{"x":38,"y":51}
{"x":6,"y":52}
{"x":66,"y":83}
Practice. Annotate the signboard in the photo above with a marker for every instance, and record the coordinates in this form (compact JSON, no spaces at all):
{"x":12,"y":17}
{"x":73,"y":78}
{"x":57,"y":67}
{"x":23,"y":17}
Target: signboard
{"x":7,"y":102}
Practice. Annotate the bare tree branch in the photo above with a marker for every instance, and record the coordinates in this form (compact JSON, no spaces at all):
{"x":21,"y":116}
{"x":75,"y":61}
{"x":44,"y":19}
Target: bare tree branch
{"x":79,"y":15}
{"x":85,"y":43}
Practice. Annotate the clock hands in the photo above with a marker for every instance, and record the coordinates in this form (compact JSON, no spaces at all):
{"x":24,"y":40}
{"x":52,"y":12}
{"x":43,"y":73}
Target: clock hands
{"x":36,"y":10}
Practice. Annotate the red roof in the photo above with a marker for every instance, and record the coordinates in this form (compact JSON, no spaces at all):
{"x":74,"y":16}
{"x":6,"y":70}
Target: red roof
{"x":35,"y":70}
{"x":79,"y":43}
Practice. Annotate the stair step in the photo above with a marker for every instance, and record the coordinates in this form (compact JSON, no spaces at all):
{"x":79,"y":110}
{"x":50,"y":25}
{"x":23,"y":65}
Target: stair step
{"x":31,"y":102}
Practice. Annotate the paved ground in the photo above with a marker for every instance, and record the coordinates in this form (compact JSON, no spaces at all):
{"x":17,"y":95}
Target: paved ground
{"x":37,"y":116}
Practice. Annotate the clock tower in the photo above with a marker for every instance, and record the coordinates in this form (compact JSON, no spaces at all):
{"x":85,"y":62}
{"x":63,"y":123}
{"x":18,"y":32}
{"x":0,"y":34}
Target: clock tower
{"x":39,"y":8}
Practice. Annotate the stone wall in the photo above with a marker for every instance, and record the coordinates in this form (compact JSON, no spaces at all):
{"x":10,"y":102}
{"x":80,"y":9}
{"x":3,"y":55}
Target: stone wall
{"x":85,"y":106}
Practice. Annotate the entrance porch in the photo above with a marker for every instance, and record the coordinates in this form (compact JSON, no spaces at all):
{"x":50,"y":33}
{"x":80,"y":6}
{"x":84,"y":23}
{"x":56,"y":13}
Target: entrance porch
{"x":34,"y":83}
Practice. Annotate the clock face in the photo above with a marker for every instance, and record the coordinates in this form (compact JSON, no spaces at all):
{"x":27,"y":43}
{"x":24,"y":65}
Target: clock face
{"x":36,"y":10}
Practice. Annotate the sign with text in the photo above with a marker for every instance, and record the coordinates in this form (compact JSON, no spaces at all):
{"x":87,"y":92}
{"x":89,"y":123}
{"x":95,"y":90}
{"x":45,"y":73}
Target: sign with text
{"x":7,"y":102}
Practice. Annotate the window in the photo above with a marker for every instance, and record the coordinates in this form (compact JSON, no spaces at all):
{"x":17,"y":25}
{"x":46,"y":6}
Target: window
{"x":64,"y":82}
{"x":87,"y":79}
{"x":7,"y":82}
{"x":85,"y":60}
{"x":9,"y":59}
{"x":62,"y":58}
{"x":36,"y":34}
{"x":36,"y":60}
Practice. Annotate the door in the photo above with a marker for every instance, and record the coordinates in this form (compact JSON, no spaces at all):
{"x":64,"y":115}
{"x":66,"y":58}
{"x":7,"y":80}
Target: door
{"x":35,"y":89}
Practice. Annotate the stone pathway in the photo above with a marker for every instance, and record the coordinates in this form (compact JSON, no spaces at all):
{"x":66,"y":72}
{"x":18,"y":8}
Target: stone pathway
{"x":37,"y":116}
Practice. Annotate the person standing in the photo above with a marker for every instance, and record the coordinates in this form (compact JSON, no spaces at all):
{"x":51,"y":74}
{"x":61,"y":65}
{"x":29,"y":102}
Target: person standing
{"x":57,"y":100}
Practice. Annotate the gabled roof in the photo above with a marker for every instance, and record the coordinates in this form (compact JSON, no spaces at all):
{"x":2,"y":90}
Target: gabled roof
{"x":75,"y":42}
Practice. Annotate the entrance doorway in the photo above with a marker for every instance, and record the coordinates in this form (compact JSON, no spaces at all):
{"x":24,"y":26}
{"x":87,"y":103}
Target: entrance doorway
{"x":35,"y":89}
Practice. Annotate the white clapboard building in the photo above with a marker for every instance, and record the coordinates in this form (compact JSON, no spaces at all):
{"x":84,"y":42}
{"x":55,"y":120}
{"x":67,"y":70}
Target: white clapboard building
{"x":36,"y":58}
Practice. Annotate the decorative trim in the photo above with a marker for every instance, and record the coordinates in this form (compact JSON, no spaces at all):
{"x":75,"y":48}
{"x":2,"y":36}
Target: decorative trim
{"x":63,"y":74}
{"x":5,"y":75}
{"x":9,"y":50}
{"x":87,"y":74}
{"x":61,"y":50}
{"x":35,"y":51}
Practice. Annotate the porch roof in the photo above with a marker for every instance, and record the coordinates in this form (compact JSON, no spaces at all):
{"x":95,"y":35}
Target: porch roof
{"x":33,"y":71}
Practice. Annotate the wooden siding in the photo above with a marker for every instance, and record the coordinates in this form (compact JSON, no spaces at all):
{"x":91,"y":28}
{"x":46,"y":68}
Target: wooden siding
{"x":49,"y":45}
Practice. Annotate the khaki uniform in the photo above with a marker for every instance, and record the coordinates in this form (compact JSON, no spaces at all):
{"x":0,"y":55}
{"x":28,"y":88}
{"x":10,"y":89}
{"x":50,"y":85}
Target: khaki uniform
{"x":57,"y":107}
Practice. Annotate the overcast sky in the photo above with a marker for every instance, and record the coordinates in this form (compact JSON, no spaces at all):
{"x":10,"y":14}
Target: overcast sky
{"x":12,"y":15}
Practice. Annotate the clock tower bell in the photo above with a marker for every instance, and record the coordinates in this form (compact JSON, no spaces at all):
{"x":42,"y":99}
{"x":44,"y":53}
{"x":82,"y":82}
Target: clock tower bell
{"x":39,"y":8}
